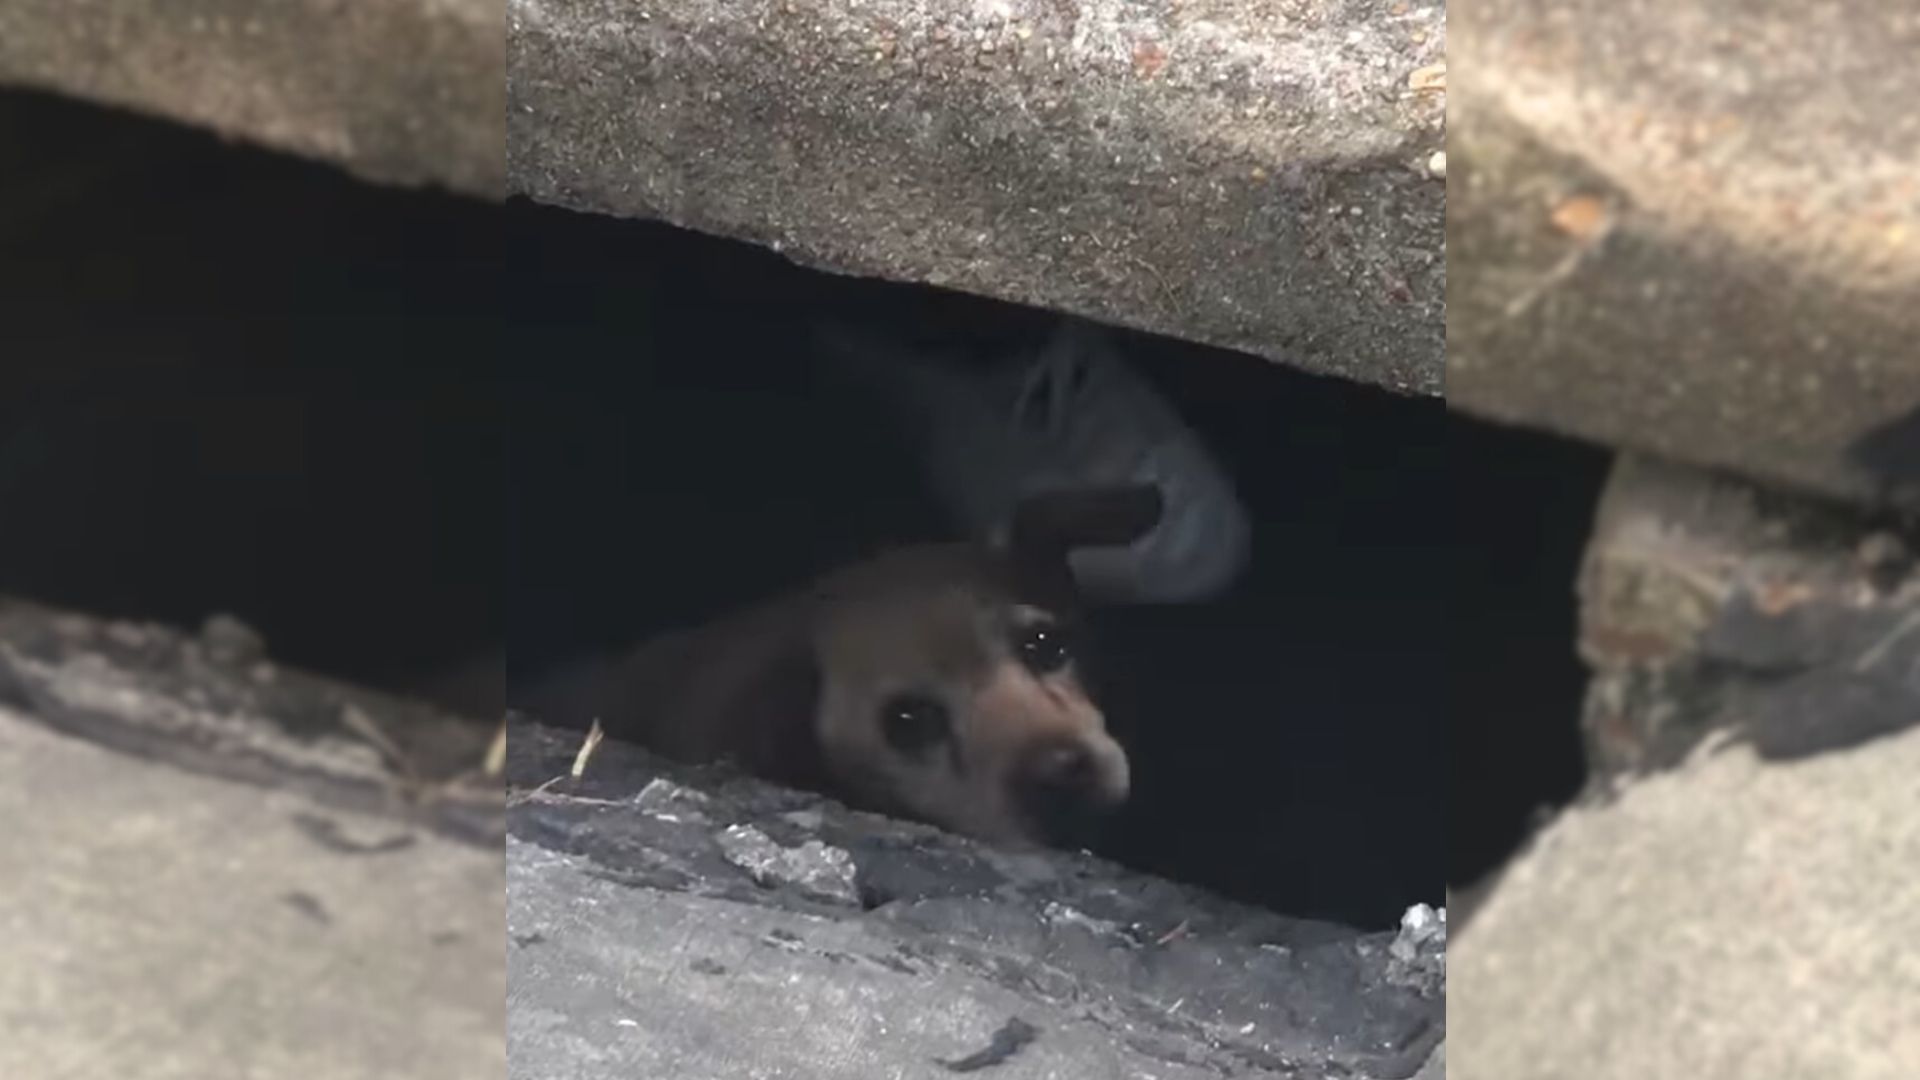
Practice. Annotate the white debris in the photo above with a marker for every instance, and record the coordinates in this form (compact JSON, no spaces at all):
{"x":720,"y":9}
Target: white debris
{"x":1420,"y":927}
{"x":669,"y":801}
{"x":1059,"y":914}
{"x":814,"y":868}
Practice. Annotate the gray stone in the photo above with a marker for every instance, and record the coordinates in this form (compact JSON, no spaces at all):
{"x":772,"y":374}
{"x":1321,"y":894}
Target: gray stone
{"x":1693,"y":229}
{"x":155,"y":692}
{"x":814,"y":868}
{"x":639,"y":945}
{"x":1727,"y":920}
{"x":165,"y":925}
{"x":209,"y":870}
{"x":400,"y":91}
{"x":1710,"y":604}
{"x":1254,"y":175}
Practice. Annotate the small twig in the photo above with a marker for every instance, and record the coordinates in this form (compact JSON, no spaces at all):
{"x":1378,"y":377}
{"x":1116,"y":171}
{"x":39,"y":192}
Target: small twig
{"x":542,"y":794}
{"x":1172,"y":935}
{"x":496,"y":762}
{"x":528,"y":794}
{"x":587,"y":747}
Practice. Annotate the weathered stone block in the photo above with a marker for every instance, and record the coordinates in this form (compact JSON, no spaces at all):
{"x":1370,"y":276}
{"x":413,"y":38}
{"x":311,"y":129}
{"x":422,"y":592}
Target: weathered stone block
{"x":1694,"y":230}
{"x":672,"y":921}
{"x":1708,"y":603}
{"x":1254,"y":175}
{"x":396,"y":91}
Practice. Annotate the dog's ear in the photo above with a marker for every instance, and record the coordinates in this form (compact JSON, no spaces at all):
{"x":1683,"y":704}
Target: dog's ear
{"x":1046,"y":528}
{"x":765,"y":701}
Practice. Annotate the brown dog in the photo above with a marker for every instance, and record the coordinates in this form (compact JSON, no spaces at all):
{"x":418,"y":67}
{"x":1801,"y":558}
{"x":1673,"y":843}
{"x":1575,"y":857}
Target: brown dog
{"x":937,"y":682}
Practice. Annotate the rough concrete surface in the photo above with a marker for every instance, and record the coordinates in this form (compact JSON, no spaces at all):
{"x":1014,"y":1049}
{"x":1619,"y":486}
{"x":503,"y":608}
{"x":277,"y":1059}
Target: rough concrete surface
{"x":162,"y":925}
{"x":666,"y":921}
{"x":214,"y":703}
{"x":1732,"y":898}
{"x":397,"y":91}
{"x":1257,"y":174}
{"x":1732,"y":920}
{"x":1693,"y":228}
{"x":1708,"y":603}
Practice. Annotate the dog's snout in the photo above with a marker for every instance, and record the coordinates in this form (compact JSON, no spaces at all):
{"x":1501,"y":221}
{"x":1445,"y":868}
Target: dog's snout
{"x":1067,"y":769}
{"x":1067,"y":788}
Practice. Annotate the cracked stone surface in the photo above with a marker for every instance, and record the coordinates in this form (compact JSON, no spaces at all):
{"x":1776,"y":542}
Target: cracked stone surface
{"x":1712,"y":605}
{"x":1693,"y":229}
{"x":1257,"y":175}
{"x":396,"y":91}
{"x":639,"y":945}
{"x":214,"y":703}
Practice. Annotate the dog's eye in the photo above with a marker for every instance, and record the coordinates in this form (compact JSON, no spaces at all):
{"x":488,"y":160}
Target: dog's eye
{"x":914,"y":724}
{"x":1044,"y":647}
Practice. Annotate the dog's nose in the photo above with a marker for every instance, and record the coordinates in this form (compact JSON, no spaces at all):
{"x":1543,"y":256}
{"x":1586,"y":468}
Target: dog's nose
{"x":1066,"y":791}
{"x":1067,"y":768}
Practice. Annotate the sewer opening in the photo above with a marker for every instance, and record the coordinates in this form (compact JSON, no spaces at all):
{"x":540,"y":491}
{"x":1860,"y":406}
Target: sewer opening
{"x":1521,"y":511}
{"x":679,"y":450}
{"x":249,"y":384}
{"x":242,"y":383}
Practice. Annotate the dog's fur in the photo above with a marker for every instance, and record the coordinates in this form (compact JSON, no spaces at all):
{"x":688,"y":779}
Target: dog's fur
{"x":795,"y":689}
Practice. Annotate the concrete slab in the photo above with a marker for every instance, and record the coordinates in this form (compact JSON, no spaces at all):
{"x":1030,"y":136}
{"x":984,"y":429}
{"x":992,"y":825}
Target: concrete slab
{"x":162,"y":925}
{"x":1258,"y":175}
{"x":1729,"y":920}
{"x":666,"y":921}
{"x":1693,"y":229}
{"x":396,"y":91}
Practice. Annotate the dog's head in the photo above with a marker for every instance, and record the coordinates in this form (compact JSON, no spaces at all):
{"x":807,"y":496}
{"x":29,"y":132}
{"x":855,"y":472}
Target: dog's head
{"x":948,"y":682}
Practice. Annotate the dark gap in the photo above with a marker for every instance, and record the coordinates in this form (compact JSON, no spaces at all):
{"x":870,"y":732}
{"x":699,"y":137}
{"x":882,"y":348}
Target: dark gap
{"x":239,"y":382}
{"x":1890,"y":454}
{"x":1522,"y":509}
{"x":676,"y":453}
